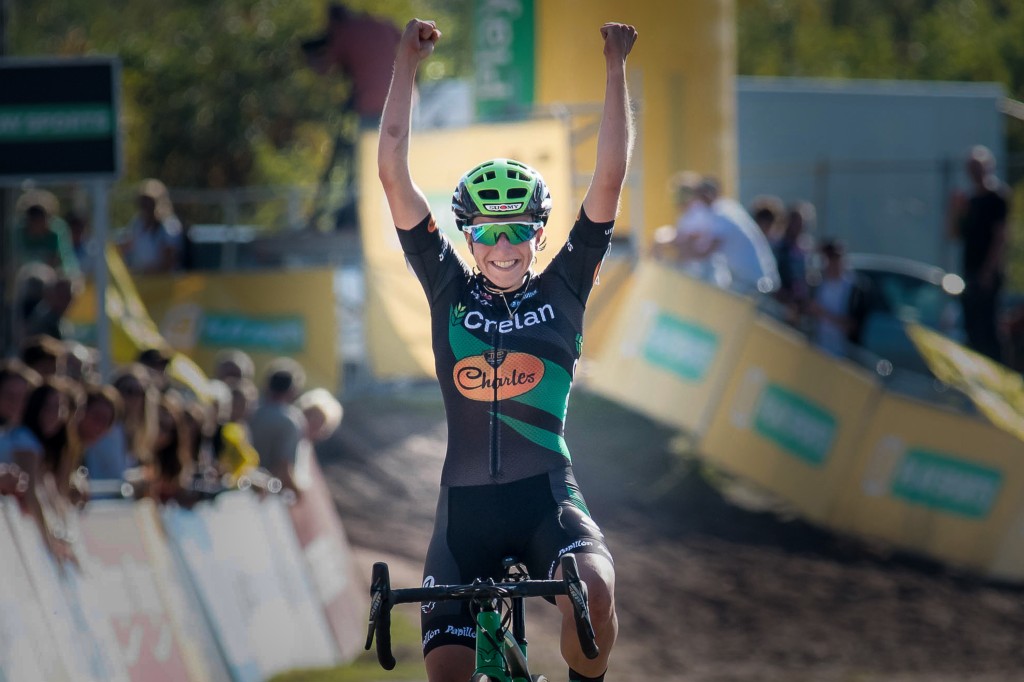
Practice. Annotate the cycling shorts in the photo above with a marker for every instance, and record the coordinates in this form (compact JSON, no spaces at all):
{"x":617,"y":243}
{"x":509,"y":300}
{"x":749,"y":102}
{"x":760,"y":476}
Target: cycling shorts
{"x":536,"y":520}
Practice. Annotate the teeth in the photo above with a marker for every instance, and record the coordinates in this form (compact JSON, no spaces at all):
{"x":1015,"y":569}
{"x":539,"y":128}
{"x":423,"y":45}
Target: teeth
{"x":504,"y":263}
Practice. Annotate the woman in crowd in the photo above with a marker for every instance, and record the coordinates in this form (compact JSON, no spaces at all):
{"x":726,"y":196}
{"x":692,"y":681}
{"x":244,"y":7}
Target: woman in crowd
{"x":168,"y":475}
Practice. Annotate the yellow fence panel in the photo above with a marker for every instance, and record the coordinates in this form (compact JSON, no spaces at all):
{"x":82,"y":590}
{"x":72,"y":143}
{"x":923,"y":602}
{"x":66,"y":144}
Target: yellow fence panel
{"x":266,"y":314}
{"x":790,"y":419}
{"x":672,"y":347}
{"x":936,"y":482}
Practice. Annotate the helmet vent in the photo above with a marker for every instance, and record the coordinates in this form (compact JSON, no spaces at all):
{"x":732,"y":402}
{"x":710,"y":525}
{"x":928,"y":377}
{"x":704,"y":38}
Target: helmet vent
{"x":516,"y":193}
{"x":491,"y":194}
{"x":518,"y":175}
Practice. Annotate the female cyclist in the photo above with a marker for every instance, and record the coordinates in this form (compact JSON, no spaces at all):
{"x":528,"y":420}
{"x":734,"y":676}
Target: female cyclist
{"x":506,"y":341}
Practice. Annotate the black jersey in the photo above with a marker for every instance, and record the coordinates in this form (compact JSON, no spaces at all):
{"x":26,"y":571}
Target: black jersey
{"x":505,"y":362}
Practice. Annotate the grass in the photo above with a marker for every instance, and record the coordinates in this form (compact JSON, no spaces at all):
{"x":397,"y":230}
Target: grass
{"x":405,"y":644}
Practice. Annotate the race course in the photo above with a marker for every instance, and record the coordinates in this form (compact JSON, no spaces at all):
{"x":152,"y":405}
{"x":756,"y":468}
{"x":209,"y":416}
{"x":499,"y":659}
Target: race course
{"x":707,"y":591}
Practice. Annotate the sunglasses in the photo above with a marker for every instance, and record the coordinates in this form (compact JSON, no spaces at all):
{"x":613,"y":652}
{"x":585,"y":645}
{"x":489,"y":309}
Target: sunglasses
{"x":488,"y":233}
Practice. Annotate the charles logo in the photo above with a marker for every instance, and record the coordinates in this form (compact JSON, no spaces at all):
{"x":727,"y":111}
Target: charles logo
{"x":497,"y":375}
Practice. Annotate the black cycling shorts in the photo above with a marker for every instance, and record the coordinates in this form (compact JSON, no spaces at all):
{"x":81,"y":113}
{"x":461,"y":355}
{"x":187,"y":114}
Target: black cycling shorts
{"x":536,"y":520}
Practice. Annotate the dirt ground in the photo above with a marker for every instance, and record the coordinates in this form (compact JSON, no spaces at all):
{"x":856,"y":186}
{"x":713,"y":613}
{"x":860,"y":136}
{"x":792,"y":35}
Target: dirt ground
{"x":707,"y":591}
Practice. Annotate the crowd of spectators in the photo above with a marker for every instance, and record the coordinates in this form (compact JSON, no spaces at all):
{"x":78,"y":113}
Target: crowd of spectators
{"x":70,"y":434}
{"x":768,"y":250}
{"x":772,"y":251}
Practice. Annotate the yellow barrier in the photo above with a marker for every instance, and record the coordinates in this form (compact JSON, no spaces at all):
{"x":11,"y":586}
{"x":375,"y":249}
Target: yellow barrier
{"x":672,"y":347}
{"x":605,"y":303}
{"x":937,"y":482}
{"x":266,"y":314}
{"x":790,"y":419}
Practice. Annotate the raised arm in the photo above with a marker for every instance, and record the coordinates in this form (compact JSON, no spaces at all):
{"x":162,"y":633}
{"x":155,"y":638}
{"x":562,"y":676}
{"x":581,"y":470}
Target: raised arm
{"x":615,"y":137}
{"x":408,"y":203}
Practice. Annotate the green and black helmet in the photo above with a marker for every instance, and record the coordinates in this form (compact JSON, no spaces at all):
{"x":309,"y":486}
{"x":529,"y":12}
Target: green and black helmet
{"x":501,"y":187}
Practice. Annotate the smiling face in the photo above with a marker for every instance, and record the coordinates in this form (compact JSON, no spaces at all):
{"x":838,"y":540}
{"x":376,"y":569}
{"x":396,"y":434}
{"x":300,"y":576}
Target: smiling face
{"x":505,"y":264}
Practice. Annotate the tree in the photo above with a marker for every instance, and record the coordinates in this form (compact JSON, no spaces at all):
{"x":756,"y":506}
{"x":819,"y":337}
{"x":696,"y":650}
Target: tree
{"x":215,"y":94}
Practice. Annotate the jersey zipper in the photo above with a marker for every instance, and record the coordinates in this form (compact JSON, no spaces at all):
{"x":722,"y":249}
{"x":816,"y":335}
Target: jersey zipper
{"x":495,"y":459}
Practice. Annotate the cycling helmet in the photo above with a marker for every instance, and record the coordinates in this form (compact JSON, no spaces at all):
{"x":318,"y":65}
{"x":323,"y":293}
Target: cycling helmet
{"x":501,"y":187}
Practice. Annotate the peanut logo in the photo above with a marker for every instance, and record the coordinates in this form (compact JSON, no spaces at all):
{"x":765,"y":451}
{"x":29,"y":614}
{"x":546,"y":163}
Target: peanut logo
{"x":497,"y":374}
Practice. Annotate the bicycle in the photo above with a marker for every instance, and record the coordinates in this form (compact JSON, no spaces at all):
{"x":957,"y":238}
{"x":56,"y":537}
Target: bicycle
{"x":499,"y":610}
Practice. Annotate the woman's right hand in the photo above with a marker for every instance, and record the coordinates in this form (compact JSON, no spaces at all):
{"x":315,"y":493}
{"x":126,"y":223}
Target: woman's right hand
{"x":419,"y":38}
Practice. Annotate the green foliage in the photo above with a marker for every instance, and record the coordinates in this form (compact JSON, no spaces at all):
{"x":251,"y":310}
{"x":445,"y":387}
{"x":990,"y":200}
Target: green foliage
{"x":945,"y":40}
{"x":218,"y":94}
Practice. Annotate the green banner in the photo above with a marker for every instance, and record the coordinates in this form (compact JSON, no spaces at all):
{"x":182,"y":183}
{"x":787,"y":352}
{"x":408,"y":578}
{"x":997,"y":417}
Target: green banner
{"x":274,"y":334}
{"x":503,"y":56}
{"x":59,"y":122}
{"x":948,"y":483}
{"x":795,"y":424}
{"x":682,"y":347}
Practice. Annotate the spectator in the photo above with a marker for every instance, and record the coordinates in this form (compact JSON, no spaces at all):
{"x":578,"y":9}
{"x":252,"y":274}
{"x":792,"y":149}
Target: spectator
{"x":30,"y":289}
{"x":232,"y":364}
{"x":792,"y":255}
{"x":44,"y":354}
{"x":16,"y":381}
{"x":323,"y":414}
{"x":278,"y":427}
{"x":47,"y":317}
{"x":105,"y":455}
{"x":768,"y":211}
{"x":87,"y":251}
{"x":362,"y":47}
{"x":152,"y":241}
{"x":740,"y":253}
{"x":232,"y":440}
{"x":837,"y":306}
{"x":156,"y":361}
{"x":244,"y":396}
{"x":717,"y":240}
{"x":171,"y":468}
{"x":42,"y":236}
{"x":140,"y":417}
{"x":81,"y":363}
{"x":692,"y":241}
{"x":979,"y":222}
{"x":39,"y":449}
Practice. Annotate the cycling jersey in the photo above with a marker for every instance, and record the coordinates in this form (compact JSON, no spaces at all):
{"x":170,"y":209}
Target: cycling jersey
{"x":505,"y":361}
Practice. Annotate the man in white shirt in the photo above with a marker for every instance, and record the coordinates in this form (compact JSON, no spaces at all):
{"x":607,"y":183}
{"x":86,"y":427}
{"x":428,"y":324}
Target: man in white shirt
{"x":718,"y":233}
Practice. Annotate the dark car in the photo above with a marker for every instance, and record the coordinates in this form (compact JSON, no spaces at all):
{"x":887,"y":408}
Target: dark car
{"x":901,"y":290}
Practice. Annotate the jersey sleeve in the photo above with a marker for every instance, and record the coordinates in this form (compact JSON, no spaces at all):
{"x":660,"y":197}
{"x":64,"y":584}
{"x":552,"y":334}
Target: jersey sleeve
{"x":433,"y":259}
{"x":579,"y":260}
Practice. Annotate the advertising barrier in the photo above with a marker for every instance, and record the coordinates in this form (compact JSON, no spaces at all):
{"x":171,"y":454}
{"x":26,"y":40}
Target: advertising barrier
{"x":28,"y":651}
{"x":261,"y":604}
{"x":131,"y":582}
{"x":87,"y":651}
{"x":936,"y":482}
{"x":330,"y":563}
{"x":266,"y":314}
{"x":672,"y":347}
{"x":790,"y":418}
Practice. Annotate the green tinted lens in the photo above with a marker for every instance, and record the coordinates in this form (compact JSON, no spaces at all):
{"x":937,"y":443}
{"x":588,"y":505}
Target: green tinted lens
{"x":488,"y":233}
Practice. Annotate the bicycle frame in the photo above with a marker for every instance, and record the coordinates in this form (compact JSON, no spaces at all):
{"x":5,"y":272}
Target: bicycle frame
{"x":500,"y":650}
